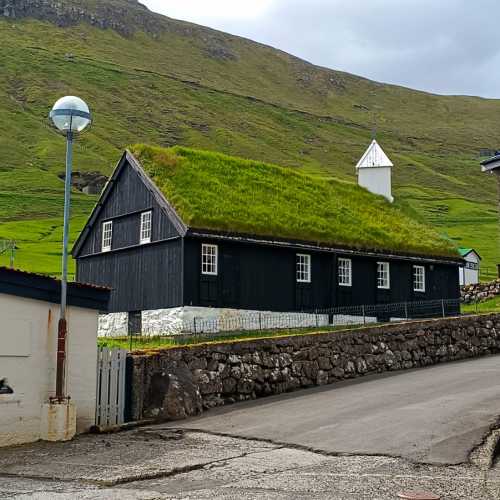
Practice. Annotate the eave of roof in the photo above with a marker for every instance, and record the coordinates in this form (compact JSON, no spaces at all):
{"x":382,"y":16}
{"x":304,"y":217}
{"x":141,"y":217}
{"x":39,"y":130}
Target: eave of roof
{"x":466,"y":251}
{"x":490,"y":164}
{"x":320,"y":247}
{"x":40,"y":287}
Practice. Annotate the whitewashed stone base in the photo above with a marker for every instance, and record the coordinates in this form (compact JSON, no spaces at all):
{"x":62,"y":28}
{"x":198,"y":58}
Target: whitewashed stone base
{"x":163,"y":321}
{"x":113,"y":325}
{"x":198,"y":320}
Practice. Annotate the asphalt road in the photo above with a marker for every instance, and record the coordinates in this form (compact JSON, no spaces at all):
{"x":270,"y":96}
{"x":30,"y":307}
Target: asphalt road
{"x":435,"y":415}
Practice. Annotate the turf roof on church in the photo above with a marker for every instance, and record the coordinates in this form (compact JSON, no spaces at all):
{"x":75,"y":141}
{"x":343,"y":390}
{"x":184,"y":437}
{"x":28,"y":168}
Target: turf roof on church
{"x":217,"y":192}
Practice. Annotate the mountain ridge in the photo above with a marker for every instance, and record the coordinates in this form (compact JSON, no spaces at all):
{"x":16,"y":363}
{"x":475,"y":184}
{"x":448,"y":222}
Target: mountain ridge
{"x":180,"y":83}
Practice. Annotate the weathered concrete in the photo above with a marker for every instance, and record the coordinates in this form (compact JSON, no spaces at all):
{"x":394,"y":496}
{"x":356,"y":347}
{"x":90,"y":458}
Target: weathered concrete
{"x":208,"y":467}
{"x":241,"y":371}
{"x":436,"y":415}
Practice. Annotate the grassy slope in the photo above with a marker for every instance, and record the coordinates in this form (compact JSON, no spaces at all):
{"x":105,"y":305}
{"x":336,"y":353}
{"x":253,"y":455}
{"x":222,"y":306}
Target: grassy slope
{"x":215,"y":191}
{"x":261,"y":104}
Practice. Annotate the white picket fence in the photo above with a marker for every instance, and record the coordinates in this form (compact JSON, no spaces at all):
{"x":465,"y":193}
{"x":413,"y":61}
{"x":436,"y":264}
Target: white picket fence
{"x":111,"y":368}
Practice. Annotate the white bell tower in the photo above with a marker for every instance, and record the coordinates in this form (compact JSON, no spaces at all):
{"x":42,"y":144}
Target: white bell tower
{"x":375,"y":171}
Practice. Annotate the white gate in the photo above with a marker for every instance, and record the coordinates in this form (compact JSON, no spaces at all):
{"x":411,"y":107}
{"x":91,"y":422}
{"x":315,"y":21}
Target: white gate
{"x":110,"y":405}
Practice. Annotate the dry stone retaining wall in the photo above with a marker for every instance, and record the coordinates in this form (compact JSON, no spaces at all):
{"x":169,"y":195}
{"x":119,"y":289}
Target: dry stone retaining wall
{"x":180,"y":382}
{"x":480,"y":291}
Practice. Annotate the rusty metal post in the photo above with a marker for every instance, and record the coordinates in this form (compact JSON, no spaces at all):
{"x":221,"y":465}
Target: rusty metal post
{"x":61,"y":358}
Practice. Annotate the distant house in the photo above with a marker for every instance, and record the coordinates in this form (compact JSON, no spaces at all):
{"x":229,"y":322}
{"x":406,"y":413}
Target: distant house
{"x":180,"y":232}
{"x":469,"y":271}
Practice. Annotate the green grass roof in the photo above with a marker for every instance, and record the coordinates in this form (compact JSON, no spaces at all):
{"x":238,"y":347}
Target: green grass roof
{"x":218,"y":192}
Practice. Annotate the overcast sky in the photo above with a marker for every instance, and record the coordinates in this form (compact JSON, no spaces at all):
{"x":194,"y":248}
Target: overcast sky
{"x":442,"y":46}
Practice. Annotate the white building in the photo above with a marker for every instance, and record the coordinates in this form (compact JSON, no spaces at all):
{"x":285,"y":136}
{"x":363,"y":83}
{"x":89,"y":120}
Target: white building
{"x":469,"y":274}
{"x":375,"y":171}
{"x":29,"y":313}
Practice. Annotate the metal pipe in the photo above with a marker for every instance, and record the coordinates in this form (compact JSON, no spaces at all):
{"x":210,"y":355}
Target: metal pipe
{"x":62,"y":326}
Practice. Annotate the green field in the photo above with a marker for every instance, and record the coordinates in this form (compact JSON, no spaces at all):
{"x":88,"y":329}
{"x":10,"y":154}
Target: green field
{"x":172,"y":86}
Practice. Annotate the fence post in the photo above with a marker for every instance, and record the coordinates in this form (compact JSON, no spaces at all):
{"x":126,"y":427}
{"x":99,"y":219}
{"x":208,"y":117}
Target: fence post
{"x":406,"y":311}
{"x":194,"y":324}
{"x":317,"y":319}
{"x":442,"y":307}
{"x":260,"y":321}
{"x":364,"y":314}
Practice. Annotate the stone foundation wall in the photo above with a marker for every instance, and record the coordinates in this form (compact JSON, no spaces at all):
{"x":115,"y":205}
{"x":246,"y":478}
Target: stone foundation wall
{"x":480,"y":291}
{"x":188,"y":319}
{"x":113,"y":325}
{"x":181,"y":382}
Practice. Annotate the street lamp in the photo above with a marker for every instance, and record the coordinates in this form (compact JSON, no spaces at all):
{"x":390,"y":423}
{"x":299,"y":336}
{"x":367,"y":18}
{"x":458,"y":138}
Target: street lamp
{"x":71,"y":116}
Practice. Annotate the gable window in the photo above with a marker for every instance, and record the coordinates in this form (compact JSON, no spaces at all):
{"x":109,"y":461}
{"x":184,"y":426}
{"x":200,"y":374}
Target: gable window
{"x":209,"y":255}
{"x":107,"y":236}
{"x":345,"y":272}
{"x":146,"y":227}
{"x":303,"y":268}
{"x":383,"y":275}
{"x":419,"y":278}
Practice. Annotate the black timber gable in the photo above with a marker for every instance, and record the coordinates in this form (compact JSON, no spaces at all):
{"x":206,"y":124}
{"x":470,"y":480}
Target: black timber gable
{"x":142,"y":276}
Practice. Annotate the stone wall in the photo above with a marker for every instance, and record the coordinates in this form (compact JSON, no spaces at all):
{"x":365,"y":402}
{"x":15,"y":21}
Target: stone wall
{"x":180,"y":382}
{"x":480,"y":291}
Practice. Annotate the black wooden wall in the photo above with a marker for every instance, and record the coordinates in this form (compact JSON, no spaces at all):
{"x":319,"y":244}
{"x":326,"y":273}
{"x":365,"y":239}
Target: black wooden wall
{"x":142,"y":277}
{"x":263,"y":278}
{"x":128,"y":198}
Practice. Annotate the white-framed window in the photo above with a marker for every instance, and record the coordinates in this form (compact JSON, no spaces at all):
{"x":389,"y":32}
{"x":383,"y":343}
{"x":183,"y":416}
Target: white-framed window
{"x":209,"y":254}
{"x":383,"y":275}
{"x":146,"y":218}
{"x":345,"y":272}
{"x":303,"y":268}
{"x":107,"y":236}
{"x":419,"y":278}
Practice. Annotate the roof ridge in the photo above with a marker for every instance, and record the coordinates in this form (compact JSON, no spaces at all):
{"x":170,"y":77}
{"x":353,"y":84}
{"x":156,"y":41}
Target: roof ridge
{"x":374,"y":157}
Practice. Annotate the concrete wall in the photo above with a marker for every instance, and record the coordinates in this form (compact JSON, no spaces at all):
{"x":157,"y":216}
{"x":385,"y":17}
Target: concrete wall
{"x":28,"y":345}
{"x":377,"y":180}
{"x":180,"y":382}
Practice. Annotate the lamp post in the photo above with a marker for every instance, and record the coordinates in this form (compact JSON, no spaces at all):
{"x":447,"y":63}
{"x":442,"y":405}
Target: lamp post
{"x":71,"y":116}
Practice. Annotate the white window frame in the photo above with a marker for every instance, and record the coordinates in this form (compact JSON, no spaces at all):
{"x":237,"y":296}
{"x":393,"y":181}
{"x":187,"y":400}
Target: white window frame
{"x":344,"y":272}
{"x":209,"y":259}
{"x":146,"y":227}
{"x":385,"y":268}
{"x":303,"y":268}
{"x":107,"y":236}
{"x":419,"y":284}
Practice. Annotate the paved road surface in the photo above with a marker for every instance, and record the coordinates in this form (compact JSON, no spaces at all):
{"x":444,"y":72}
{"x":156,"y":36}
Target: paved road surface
{"x":433,"y":415}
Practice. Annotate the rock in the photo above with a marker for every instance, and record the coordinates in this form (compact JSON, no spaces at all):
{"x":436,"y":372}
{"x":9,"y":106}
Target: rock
{"x":175,"y":395}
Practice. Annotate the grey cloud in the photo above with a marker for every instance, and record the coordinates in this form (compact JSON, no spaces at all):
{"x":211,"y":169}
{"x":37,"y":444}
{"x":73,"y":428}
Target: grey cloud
{"x":444,"y":46}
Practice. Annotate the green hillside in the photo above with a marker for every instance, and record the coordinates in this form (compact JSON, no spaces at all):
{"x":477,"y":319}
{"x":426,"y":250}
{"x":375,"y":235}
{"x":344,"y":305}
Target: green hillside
{"x":224,"y":193}
{"x":151,"y":79}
